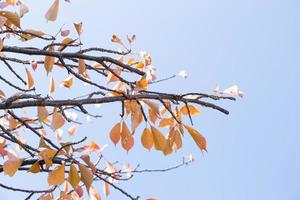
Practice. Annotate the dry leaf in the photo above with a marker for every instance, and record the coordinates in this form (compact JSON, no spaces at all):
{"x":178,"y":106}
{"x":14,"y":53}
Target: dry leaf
{"x":117,"y":40}
{"x":78,"y":28}
{"x":115,"y":133}
{"x":52,"y":85}
{"x":27,"y":36}
{"x":190,"y":109}
{"x":12,"y":18}
{"x":147,"y":138}
{"x":94,"y":194}
{"x":29,"y":79}
{"x":68,"y":82}
{"x":197,"y":137}
{"x":35,"y":168}
{"x":42,"y":113}
{"x":11,"y":166}
{"x":86,"y":176}
{"x":49,"y":61}
{"x":158,"y":139}
{"x":51,"y":14}
{"x":57,"y":120}
{"x":57,"y":176}
{"x":74,"y":178}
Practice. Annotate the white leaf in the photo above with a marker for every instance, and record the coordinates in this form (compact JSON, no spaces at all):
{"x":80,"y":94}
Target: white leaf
{"x":183,"y":74}
{"x":234,"y":91}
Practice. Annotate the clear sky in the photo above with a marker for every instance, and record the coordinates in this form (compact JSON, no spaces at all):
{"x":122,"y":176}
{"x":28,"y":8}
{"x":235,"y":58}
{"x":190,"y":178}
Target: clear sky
{"x":254,"y":152}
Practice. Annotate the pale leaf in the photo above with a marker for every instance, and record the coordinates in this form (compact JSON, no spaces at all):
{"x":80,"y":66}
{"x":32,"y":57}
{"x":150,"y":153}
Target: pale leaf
{"x":29,"y":79}
{"x":57,"y":176}
{"x":51,"y":14}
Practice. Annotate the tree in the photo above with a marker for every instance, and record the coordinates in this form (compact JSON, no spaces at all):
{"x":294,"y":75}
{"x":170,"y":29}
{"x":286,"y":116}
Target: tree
{"x":122,"y":76}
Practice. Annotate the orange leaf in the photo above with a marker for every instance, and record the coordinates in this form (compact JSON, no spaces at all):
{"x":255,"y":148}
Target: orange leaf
{"x":47,"y":155}
{"x":57,"y":176}
{"x":42,"y":113}
{"x":142,"y":83}
{"x":197,"y":137}
{"x":106,"y":189}
{"x":35,"y":168}
{"x":49,"y":61}
{"x":12,"y":18}
{"x":193,"y":110}
{"x":158,"y":139}
{"x":126,"y":138}
{"x":130,"y":61}
{"x":52,"y":86}
{"x":57,"y":120}
{"x":51,"y":14}
{"x":81,"y":66}
{"x":78,"y":28}
{"x":117,"y":40}
{"x":1,"y":44}
{"x":111,"y":77}
{"x":11,"y":166}
{"x":68,"y":82}
{"x":86,"y":176}
{"x":72,"y":130}
{"x":115,"y":133}
{"x":27,"y":36}
{"x":29,"y":79}
{"x":67,"y":41}
{"x":74,"y":178}
{"x":147,"y":139}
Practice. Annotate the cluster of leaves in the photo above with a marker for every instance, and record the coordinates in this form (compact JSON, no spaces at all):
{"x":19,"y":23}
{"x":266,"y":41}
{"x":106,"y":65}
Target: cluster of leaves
{"x":124,"y":76}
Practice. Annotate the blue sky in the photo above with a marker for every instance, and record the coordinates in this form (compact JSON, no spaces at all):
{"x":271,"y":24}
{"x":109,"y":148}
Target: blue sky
{"x":253,"y":152}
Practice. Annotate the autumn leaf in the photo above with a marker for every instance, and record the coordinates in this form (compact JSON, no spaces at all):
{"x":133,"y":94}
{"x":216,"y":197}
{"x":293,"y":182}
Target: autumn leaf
{"x":147,"y":138}
{"x":30,"y":34}
{"x":57,"y":176}
{"x":189,"y":109}
{"x":142,"y":83}
{"x":94,"y":194}
{"x":1,"y":44}
{"x":47,"y":155}
{"x":81,"y":67}
{"x":78,"y":28}
{"x":140,"y":65}
{"x":126,"y":138}
{"x":42,"y":113}
{"x":49,"y":61}
{"x":29,"y":79}
{"x":57,"y":120}
{"x":11,"y":166}
{"x":12,"y":18}
{"x":67,"y":41}
{"x":130,"y":61}
{"x":106,"y":189}
{"x":86,"y":176}
{"x":35,"y":168}
{"x":117,"y":40}
{"x":115,"y":133}
{"x":68,"y":82}
{"x":74,"y":178}
{"x":72,"y":130}
{"x":197,"y":137}
{"x":52,"y":85}
{"x":51,"y":14}
{"x":158,"y":139}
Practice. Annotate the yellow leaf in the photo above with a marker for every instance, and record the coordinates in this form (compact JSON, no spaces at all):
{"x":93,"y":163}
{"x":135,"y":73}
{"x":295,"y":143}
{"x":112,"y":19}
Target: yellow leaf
{"x":197,"y":137}
{"x":51,"y":14}
{"x":86,"y":176}
{"x":12,"y":18}
{"x":147,"y":139}
{"x":94,"y":194}
{"x":81,"y":67}
{"x":67,"y":41}
{"x":78,"y":28}
{"x":57,"y":176}
{"x":42,"y":113}
{"x":193,"y":110}
{"x":140,"y":65}
{"x":11,"y":166}
{"x":30,"y":34}
{"x":52,"y":85}
{"x":74,"y":178}
{"x":35,"y":168}
{"x":29,"y":79}
{"x":68,"y":82}
{"x":49,"y":61}
{"x":57,"y":120}
{"x":10,"y":2}
{"x":142,"y":83}
{"x":158,"y":139}
{"x":115,"y":133}
{"x":130,"y":61}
